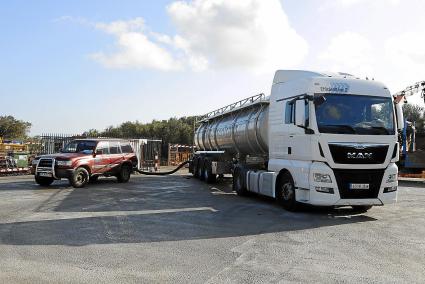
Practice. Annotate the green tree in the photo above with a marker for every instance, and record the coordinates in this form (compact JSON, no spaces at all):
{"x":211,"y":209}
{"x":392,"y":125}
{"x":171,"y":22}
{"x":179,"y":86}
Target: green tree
{"x":11,"y":128}
{"x":415,"y":113}
{"x":173,"y":130}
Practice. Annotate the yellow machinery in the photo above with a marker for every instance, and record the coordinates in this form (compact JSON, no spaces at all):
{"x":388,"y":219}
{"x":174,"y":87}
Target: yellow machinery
{"x":13,"y":157}
{"x":12,"y":147}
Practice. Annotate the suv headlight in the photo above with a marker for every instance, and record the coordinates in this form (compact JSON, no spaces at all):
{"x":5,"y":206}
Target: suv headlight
{"x":64,"y":163}
{"x":34,"y":162}
{"x":318,"y":177}
{"x":392,"y":178}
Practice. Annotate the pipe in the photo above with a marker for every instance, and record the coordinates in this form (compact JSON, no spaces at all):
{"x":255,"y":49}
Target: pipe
{"x":163,"y":173}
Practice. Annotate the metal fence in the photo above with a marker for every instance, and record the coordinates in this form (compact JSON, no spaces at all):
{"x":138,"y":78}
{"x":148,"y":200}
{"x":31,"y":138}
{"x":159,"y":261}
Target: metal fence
{"x":53,"y":143}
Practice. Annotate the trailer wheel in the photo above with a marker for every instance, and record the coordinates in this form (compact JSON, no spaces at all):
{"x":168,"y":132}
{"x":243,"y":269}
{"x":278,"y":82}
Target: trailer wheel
{"x":201,"y":169}
{"x":208,"y":175}
{"x":238,"y":182}
{"x":196,"y":167}
{"x":285,"y":192}
{"x":43,"y":181}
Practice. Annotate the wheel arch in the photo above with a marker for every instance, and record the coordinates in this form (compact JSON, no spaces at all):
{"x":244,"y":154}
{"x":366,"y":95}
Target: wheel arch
{"x":279,"y":176}
{"x":86,"y":167}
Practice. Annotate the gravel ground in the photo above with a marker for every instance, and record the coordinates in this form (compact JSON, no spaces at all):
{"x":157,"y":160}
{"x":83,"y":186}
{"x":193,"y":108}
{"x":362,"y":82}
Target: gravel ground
{"x":176,"y":229}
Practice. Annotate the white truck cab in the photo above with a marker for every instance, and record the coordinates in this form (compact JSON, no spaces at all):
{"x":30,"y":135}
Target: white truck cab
{"x":337,"y":137}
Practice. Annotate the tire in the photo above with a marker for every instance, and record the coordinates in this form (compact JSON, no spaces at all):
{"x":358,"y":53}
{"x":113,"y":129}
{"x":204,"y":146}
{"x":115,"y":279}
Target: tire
{"x":238,"y":182}
{"x":285,"y":192}
{"x":208,"y":175}
{"x":361,"y":208}
{"x":43,"y":181}
{"x":195,"y":167}
{"x":79,"y":178}
{"x":94,"y":179}
{"x":124,"y":174}
{"x":201,"y":169}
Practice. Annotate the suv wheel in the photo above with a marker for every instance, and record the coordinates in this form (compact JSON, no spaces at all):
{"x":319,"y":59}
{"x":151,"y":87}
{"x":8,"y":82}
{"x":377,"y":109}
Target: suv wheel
{"x":79,"y":178}
{"x":124,"y":174}
{"x":43,"y":181}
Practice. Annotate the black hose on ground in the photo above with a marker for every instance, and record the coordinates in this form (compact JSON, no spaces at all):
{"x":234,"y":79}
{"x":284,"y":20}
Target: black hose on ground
{"x":163,"y":173}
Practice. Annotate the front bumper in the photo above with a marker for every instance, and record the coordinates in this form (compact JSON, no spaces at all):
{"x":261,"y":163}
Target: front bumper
{"x":57,"y":173}
{"x":340,"y":196}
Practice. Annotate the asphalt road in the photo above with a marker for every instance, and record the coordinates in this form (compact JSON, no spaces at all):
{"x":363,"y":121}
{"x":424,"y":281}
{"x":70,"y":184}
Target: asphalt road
{"x":176,"y":229}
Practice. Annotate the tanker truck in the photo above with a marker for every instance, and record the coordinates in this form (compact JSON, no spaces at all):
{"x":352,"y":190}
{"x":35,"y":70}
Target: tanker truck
{"x":324,"y":139}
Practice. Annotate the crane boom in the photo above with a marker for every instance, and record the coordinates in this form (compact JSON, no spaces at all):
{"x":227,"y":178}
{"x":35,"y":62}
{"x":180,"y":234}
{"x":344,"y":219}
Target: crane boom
{"x":410,"y":91}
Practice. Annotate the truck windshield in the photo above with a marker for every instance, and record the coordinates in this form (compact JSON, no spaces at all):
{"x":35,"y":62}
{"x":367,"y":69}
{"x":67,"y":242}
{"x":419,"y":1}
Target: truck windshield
{"x":355,"y":114}
{"x":80,"y":147}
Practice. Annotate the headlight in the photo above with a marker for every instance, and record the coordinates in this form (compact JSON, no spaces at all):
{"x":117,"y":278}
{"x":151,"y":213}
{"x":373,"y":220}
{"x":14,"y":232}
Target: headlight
{"x":64,"y":163}
{"x":392,"y":178}
{"x":34,"y":162}
{"x":322,"y":178}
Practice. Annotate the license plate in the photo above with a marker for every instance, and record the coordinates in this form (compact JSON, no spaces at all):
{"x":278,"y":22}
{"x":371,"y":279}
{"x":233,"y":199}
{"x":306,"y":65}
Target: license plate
{"x":45,"y":174}
{"x":359,"y":186}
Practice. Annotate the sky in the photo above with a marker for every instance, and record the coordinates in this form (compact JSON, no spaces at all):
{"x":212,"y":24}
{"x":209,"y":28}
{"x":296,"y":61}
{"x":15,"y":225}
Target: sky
{"x":71,"y":66}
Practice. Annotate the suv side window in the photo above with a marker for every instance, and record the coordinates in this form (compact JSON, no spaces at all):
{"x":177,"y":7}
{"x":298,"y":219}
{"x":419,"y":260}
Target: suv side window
{"x":114,"y":147}
{"x":126,"y":148}
{"x":102,"y":148}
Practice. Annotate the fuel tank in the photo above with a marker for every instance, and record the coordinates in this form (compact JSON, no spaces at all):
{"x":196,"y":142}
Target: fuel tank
{"x":243,"y":131}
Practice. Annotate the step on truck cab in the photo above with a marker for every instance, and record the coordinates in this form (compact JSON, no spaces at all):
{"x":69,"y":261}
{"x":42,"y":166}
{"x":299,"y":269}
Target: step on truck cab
{"x":320,"y":138}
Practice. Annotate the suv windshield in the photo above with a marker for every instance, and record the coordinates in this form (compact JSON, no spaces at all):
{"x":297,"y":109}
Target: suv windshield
{"x":80,"y":147}
{"x":355,"y":114}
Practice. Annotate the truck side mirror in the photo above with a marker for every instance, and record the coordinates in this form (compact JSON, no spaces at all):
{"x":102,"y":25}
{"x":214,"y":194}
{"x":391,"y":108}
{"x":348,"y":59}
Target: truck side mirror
{"x":300,"y":114}
{"x":399,"y":114}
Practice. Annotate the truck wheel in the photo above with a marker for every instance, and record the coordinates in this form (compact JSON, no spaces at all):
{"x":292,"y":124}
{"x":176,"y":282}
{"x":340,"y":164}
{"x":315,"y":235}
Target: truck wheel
{"x":361,"y":208}
{"x":208,"y":175}
{"x":43,"y":181}
{"x":285,"y":192}
{"x":79,"y":178}
{"x":124,"y":174}
{"x":238,"y":182}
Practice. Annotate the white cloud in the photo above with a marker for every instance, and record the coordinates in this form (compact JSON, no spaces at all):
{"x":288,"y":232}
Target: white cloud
{"x":405,"y":57}
{"x":250,"y":34}
{"x":350,"y":3}
{"x":357,"y":2}
{"x":134,"y":48}
{"x":349,"y":52}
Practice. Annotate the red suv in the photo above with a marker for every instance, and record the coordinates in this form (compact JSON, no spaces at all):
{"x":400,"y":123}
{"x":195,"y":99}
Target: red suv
{"x":84,"y":160}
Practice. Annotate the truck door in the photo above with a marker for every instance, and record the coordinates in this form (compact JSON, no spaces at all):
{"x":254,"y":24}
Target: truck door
{"x":101,"y":161}
{"x":299,"y":144}
{"x":115,"y":156}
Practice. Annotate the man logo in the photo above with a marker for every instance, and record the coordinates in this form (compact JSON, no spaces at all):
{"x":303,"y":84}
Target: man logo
{"x":359,"y":155}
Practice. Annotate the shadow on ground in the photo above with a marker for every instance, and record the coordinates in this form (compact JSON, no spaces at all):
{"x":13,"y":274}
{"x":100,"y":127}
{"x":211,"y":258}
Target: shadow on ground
{"x":232,"y":216}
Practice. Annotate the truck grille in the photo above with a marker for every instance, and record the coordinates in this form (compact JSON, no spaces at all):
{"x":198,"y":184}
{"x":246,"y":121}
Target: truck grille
{"x":371,"y":177}
{"x":358,"y":153}
{"x":45,"y":163}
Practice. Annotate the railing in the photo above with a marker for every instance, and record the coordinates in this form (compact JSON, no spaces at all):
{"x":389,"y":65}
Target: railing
{"x":237,"y":105}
